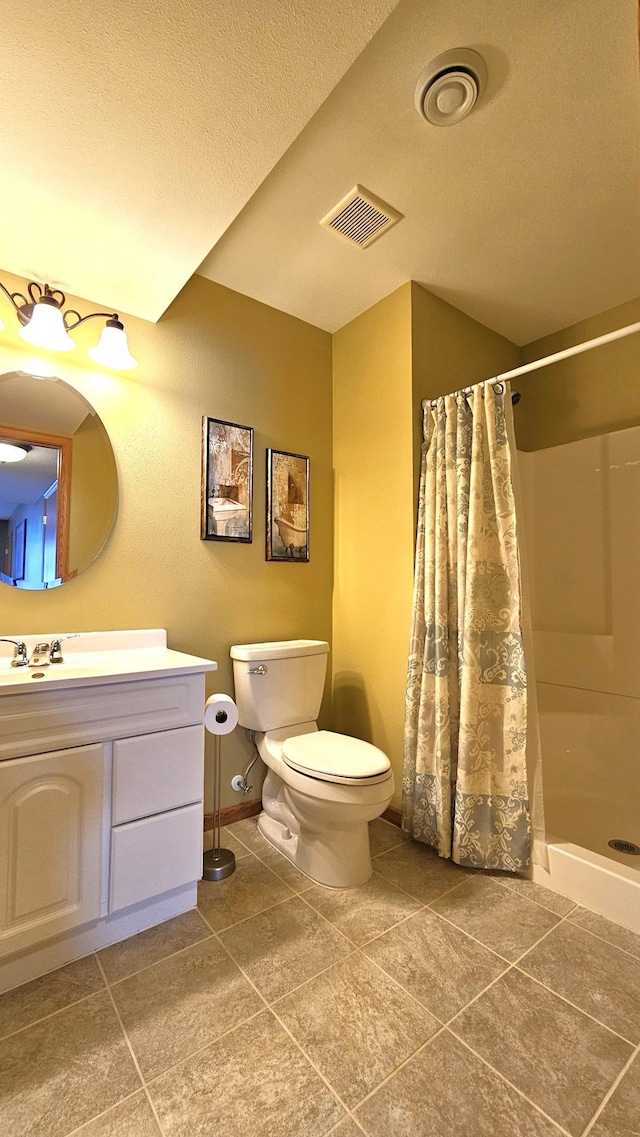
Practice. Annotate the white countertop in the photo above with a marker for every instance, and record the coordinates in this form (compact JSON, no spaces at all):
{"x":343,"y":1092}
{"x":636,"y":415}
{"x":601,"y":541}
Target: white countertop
{"x":99,"y":657}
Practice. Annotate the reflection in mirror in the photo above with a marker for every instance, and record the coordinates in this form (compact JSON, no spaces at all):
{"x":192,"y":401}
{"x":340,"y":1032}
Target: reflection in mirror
{"x":58,"y":482}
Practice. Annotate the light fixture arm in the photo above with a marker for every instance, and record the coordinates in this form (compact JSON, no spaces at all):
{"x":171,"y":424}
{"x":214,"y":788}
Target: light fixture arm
{"x":12,"y":297}
{"x":108,"y":316}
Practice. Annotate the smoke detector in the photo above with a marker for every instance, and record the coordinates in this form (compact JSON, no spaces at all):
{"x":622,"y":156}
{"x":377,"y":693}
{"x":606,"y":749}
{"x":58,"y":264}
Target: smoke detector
{"x":449,"y":88}
{"x":361,"y":217}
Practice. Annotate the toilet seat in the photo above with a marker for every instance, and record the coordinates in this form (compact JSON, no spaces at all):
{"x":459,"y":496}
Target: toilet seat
{"x":337,"y":758}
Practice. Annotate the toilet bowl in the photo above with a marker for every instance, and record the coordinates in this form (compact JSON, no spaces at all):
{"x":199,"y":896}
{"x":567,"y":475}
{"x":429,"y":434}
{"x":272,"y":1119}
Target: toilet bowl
{"x":322,"y":789}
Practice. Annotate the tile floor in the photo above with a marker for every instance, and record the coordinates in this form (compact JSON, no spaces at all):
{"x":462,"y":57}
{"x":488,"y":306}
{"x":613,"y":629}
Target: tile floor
{"x":431,"y":1002}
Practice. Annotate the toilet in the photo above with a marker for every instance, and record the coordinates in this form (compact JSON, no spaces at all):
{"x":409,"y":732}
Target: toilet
{"x":322,"y":789}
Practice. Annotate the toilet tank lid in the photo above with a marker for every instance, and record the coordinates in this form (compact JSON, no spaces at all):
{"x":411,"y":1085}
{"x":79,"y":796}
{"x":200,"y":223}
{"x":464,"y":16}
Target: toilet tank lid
{"x":279,"y":649}
{"x":327,"y":754}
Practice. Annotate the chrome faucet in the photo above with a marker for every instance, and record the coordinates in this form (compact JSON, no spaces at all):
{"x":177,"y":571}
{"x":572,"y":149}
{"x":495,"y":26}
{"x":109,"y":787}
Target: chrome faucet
{"x":43,"y":654}
{"x":20,"y":658}
{"x":55,"y":654}
{"x":40,"y":656}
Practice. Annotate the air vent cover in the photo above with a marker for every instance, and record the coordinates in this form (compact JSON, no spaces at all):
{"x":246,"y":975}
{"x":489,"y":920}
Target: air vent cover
{"x":361,"y":217}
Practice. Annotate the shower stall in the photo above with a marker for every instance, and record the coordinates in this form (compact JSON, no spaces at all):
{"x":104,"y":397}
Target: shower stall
{"x":581,"y":515}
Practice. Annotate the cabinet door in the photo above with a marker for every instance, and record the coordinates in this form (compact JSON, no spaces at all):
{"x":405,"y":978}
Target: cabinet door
{"x":51,"y":840}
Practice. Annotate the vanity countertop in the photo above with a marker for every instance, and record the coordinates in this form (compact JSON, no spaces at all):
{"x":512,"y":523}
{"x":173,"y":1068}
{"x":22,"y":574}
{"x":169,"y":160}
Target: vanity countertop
{"x":99,"y":657}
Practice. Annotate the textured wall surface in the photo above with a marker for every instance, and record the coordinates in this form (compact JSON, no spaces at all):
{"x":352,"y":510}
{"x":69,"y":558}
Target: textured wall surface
{"x":587,"y":394}
{"x":410,"y":346}
{"x":214,"y":353}
{"x":374,"y":523}
{"x":154,"y":124}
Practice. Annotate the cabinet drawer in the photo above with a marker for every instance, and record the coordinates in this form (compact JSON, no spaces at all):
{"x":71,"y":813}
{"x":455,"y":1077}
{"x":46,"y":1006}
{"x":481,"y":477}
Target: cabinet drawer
{"x":156,"y":772}
{"x":41,"y":720}
{"x":154,"y":855}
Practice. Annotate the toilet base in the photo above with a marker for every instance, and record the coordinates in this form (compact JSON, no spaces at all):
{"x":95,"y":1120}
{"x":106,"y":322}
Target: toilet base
{"x":333,"y":863}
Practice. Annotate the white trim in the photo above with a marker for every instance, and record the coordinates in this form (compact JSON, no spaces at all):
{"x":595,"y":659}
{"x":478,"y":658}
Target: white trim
{"x":594,"y":881}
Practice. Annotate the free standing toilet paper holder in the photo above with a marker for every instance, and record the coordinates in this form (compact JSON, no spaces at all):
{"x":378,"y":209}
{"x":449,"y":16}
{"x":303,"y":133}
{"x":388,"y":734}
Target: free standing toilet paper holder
{"x":217,"y":863}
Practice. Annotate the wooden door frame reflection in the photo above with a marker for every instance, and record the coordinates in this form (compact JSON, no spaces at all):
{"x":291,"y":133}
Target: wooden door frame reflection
{"x":64,"y":445}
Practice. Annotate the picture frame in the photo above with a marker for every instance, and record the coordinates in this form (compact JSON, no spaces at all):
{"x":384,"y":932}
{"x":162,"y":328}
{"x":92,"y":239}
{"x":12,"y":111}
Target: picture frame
{"x":226,"y":512}
{"x":287,"y":506}
{"x":19,"y":550}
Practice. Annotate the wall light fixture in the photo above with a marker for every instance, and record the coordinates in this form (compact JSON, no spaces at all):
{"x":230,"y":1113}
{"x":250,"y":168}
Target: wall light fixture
{"x":45,"y":324}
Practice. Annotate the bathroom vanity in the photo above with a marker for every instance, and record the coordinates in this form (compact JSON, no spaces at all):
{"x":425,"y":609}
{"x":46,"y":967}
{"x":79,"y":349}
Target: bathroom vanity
{"x":101,"y":786}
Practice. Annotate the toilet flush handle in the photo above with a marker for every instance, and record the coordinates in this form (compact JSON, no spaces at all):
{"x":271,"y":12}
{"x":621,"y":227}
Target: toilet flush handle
{"x":261,"y":670}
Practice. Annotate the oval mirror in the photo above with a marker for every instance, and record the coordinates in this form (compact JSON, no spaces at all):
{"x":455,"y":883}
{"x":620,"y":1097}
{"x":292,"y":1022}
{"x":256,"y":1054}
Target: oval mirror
{"x":58,"y":482}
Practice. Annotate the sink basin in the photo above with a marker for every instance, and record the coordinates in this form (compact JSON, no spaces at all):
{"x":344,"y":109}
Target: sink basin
{"x":95,"y":657}
{"x":54,"y":673}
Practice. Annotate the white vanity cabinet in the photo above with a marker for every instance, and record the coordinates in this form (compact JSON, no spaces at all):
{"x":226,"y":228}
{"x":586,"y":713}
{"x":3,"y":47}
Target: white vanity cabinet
{"x":101,"y":787}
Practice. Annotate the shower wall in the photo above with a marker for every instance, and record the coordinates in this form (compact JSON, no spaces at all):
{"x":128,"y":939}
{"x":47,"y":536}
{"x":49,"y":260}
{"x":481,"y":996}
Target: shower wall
{"x":581,"y":511}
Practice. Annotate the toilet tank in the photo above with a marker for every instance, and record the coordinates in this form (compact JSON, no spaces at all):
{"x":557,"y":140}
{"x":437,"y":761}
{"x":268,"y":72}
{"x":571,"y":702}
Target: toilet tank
{"x":279,"y":683}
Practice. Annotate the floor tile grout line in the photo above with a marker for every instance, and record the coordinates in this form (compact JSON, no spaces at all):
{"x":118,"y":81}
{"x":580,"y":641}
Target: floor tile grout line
{"x":353,"y":949}
{"x":304,"y":1053}
{"x":587,"y":1014}
{"x":59,"y":1010}
{"x":520,"y":1093}
{"x":286,"y":994}
{"x":514,"y":892}
{"x":205,"y":1046}
{"x":270,"y":1009}
{"x":416,"y":898}
{"x":244,"y":919}
{"x":344,"y":934}
{"x":511,"y":962}
{"x":610,"y":1092}
{"x":156,"y":962}
{"x":85,"y":1124}
{"x":132,"y":1053}
{"x":514,"y":965}
{"x":389,"y":850}
{"x":602,"y":939}
{"x":398,"y":1068}
{"x":468,"y":934}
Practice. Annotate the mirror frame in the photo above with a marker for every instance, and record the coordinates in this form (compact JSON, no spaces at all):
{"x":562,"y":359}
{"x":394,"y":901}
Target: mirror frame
{"x":64,"y":446}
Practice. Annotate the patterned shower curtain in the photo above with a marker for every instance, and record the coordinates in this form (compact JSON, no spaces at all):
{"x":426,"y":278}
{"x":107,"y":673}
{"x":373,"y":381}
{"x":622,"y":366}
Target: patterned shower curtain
{"x":465,"y":773}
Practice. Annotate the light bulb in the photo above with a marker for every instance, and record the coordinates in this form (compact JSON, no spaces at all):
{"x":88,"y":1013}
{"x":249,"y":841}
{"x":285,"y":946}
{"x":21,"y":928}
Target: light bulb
{"x":12,"y":453}
{"x":112,"y":349}
{"x":46,"y":328}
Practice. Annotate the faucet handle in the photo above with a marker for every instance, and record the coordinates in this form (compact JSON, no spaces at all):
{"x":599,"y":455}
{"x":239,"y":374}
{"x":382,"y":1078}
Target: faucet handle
{"x":20,"y":656}
{"x":55,"y":654}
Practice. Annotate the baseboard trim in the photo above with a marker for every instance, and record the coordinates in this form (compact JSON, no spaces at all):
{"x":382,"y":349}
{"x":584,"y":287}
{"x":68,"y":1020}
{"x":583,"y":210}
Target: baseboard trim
{"x":394,"y":815}
{"x":231,"y":813}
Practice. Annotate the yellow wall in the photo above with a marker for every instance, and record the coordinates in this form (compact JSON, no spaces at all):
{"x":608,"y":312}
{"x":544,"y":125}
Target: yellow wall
{"x":450,"y":351}
{"x":408,"y":347}
{"x":373,"y":521}
{"x":218,"y":353}
{"x":587,"y":394}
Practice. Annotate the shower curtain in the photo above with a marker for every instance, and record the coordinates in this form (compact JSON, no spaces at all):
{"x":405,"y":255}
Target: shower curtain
{"x":465,"y":786}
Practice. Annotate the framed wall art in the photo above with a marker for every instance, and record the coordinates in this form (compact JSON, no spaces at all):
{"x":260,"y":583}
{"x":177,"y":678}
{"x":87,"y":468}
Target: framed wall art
{"x":287,"y":506}
{"x":227,"y":481}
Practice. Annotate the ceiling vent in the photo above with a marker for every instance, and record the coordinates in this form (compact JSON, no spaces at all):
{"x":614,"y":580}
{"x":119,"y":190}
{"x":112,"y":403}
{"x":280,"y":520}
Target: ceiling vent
{"x":361,"y":217}
{"x":449,"y":88}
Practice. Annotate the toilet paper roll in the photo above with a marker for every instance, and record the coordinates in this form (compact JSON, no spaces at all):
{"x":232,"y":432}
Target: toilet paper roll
{"x":220,"y":714}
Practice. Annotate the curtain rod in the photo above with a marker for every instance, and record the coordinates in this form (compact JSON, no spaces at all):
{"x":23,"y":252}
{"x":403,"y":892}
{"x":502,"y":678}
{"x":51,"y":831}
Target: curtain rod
{"x":555,"y":358}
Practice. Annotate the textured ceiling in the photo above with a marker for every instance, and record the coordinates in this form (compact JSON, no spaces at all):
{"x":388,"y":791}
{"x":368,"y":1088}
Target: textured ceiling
{"x":134,"y":133}
{"x":525,"y":215}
